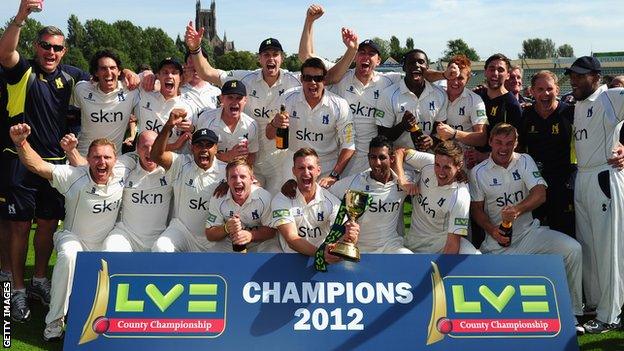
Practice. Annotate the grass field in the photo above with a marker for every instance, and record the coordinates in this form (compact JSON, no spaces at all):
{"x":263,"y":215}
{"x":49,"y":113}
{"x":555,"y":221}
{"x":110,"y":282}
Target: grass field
{"x":27,"y":337}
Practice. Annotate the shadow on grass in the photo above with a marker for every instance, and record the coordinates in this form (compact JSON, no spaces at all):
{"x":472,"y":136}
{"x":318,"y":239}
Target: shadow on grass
{"x":608,"y":343}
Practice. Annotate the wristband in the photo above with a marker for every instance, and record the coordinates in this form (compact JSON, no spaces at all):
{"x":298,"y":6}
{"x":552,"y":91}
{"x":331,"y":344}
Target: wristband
{"x":195,"y":51}
{"x":21,"y":144}
{"x":225,"y":229}
{"x":454,"y":135}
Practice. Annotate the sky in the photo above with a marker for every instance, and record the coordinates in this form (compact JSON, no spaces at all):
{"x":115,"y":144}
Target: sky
{"x":489,"y":26}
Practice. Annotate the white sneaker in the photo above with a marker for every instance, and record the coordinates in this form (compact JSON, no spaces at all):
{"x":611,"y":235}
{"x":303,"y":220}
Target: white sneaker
{"x":54,"y":330}
{"x":580,"y":329}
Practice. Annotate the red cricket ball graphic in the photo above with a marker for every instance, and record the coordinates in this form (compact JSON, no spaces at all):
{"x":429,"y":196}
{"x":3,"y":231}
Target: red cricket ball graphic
{"x":445,"y":325}
{"x":101,"y":324}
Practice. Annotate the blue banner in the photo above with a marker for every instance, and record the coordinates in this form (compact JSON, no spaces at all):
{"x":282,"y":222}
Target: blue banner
{"x":198,"y":301}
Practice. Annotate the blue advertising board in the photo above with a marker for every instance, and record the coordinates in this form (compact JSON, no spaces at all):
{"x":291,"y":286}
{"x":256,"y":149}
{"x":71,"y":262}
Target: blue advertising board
{"x":199,"y":301}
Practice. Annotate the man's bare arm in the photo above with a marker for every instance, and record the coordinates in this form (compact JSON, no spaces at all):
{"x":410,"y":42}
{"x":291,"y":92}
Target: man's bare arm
{"x":29,"y":157}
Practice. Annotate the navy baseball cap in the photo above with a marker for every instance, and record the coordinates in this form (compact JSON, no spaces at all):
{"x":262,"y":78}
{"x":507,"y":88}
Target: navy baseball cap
{"x":270,"y":43}
{"x":234,"y":87}
{"x":369,"y":43}
{"x":584,"y":65}
{"x":204,"y":134}
{"x":170,"y":61}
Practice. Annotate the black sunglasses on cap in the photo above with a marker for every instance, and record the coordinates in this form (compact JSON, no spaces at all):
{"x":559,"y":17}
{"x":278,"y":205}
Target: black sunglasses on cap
{"x":47,"y":46}
{"x":309,"y":78}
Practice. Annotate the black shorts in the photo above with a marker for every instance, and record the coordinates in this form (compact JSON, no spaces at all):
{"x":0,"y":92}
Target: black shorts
{"x":28,"y":195}
{"x":4,"y":179}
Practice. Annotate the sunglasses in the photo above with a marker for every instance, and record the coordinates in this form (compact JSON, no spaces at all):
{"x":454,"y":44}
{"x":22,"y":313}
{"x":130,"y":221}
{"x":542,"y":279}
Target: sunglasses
{"x":47,"y":46}
{"x":310,"y":78}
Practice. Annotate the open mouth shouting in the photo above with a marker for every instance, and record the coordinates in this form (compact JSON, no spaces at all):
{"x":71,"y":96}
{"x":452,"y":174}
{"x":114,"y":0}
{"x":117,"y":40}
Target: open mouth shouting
{"x":168,"y":87}
{"x":417,"y":74}
{"x":108,"y":84}
{"x":314,"y":91}
{"x":307,"y":182}
{"x":204,"y":158}
{"x":234,"y":109}
{"x":238,"y":191}
{"x":365,"y":66}
{"x":100,"y":173}
{"x":442,"y":178}
{"x":272,"y":68}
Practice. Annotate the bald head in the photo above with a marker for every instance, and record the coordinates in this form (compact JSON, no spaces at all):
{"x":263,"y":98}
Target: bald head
{"x":144,"y":147}
{"x":147,"y":136}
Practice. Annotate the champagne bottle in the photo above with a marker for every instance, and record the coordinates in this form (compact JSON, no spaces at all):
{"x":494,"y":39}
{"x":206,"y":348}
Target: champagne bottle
{"x":239,"y":248}
{"x":416,"y":135}
{"x":281,"y":134}
{"x":506,"y":228}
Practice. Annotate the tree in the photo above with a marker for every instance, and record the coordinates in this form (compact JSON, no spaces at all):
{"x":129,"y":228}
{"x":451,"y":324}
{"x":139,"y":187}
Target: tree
{"x":209,"y":50}
{"x":76,"y":32}
{"x":100,"y":35}
{"x":396,"y":51}
{"x":28,"y":35}
{"x":237,"y":60}
{"x":537,"y":49}
{"x":384,"y":48}
{"x":565,"y":50}
{"x":180,"y":44}
{"x":160,"y":46}
{"x":133,"y":46}
{"x":409,"y":43}
{"x":459,"y":47}
{"x":74,"y":57}
{"x":292,"y":63}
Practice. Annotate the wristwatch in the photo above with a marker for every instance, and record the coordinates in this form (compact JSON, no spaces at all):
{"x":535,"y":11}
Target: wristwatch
{"x":334,"y":174}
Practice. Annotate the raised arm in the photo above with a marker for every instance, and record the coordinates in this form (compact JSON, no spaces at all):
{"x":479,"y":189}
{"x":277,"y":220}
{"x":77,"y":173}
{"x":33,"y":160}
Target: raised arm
{"x":29,"y":157}
{"x":69,"y":143}
{"x":205,"y":71}
{"x":451,"y":72}
{"x":306,"y":43}
{"x":350,"y":39}
{"x":10,"y":38}
{"x":159,"y":152}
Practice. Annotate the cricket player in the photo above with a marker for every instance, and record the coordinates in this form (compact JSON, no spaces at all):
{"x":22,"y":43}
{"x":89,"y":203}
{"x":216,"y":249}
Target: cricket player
{"x":507,"y":187}
{"x":440,"y":208}
{"x":195,"y":176}
{"x":93,"y":195}
{"x":378,"y":225}
{"x":243,"y":216}
{"x":304,"y":221}
{"x":599,"y":192}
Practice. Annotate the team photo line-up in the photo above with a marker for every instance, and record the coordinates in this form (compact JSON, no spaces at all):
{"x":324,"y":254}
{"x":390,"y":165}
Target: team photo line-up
{"x":259,"y":161}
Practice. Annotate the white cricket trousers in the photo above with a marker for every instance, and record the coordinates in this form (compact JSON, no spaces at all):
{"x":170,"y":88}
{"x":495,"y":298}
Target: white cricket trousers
{"x":599,"y":231}
{"x":67,"y":246}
